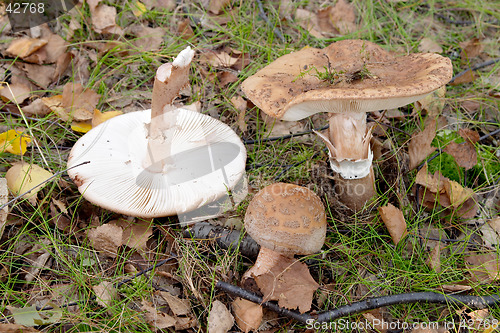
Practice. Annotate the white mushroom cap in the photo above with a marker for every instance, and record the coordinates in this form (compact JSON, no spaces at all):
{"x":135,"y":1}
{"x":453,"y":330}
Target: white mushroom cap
{"x":364,"y":78}
{"x":207,"y":160}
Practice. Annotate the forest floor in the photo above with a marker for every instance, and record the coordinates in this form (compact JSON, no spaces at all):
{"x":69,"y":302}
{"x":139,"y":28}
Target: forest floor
{"x":64,"y":269}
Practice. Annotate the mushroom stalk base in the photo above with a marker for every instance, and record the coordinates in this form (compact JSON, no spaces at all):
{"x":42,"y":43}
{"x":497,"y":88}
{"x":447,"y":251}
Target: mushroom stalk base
{"x":265,"y":261}
{"x":350,"y":155}
{"x":355,"y":193}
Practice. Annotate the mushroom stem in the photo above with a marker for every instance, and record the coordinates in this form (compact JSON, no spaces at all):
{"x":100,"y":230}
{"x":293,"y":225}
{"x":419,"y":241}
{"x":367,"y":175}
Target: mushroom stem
{"x":169,"y":80}
{"x":266,"y":259}
{"x":351,"y":158}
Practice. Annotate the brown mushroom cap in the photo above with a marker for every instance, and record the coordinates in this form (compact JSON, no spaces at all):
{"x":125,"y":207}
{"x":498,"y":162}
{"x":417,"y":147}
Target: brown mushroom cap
{"x":287,"y":218}
{"x":362,"y":77}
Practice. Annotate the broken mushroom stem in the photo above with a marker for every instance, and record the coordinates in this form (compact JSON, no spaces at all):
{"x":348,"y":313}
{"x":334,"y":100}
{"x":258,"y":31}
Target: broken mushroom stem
{"x":351,"y":158}
{"x":266,"y":259}
{"x":170,"y":79}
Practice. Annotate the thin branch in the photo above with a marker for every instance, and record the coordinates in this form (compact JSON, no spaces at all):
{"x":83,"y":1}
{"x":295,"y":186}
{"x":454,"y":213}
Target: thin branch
{"x":263,"y":16}
{"x":473,"y":302}
{"x":252,"y":297}
{"x":475,"y":68}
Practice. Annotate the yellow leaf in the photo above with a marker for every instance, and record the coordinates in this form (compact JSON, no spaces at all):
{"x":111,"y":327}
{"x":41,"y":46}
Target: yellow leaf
{"x":13,"y":142}
{"x":22,"y":177}
{"x":81,"y":126}
{"x":458,"y":194}
{"x":138,"y":8}
{"x":54,"y":103}
{"x":100,"y":117}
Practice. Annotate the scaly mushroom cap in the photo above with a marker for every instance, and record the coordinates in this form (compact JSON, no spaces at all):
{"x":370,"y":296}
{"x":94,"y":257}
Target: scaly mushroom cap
{"x":207,"y":159}
{"x":287,"y":218}
{"x":357,"y":76}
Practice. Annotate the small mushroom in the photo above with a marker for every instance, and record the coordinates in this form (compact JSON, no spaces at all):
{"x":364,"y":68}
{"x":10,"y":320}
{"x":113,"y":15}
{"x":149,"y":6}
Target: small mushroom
{"x":159,"y":162}
{"x":346,"y":79}
{"x":284,"y":219}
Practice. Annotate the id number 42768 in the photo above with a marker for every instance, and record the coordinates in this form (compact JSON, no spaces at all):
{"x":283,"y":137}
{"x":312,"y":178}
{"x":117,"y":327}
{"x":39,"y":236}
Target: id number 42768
{"x":25,"y":8}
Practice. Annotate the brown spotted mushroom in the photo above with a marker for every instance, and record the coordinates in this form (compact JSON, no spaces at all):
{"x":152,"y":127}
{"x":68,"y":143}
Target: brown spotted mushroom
{"x":284,"y":219}
{"x":346,"y":79}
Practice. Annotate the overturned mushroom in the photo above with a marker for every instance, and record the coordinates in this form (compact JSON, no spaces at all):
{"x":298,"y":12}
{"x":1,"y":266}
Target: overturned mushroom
{"x":346,"y":79}
{"x":284,"y":219}
{"x":159,"y":162}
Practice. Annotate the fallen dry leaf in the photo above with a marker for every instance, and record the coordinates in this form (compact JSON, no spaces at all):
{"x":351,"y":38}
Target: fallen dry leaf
{"x":218,"y":59}
{"x":457,"y":193}
{"x":343,"y":17}
{"x":14,"y":142}
{"x":100,"y":117}
{"x":159,"y":320}
{"x":134,"y":234}
{"x":138,"y":8}
{"x":394,"y":221}
{"x":495,"y":224}
{"x":429,"y":45}
{"x":78,"y":103}
{"x":420,"y":143}
{"x":466,"y":77}
{"x":24,"y":47}
{"x":103,"y":19}
{"x":217,"y":6}
{"x":106,"y":238}
{"x":105,"y":293}
{"x":41,"y":75}
{"x":81,"y":126}
{"x":220,"y":320}
{"x":248,"y":315}
{"x":21,"y":177}
{"x":179,"y":307}
{"x":454,"y":288}
{"x":470,"y":49}
{"x":433,"y":183}
{"x":148,"y":39}
{"x":184,"y":29}
{"x":376,"y":319}
{"x":15,"y":92}
{"x":448,"y":193}
{"x":484,"y":267}
{"x":290,"y":283}
{"x":309,"y":21}
{"x":470,"y":105}
{"x":464,"y":154}
{"x":469,"y":135}
{"x":36,"y":108}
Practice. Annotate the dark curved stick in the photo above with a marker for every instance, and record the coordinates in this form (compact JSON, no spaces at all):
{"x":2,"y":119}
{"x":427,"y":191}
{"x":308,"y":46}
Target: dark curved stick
{"x":252,"y":297}
{"x":473,"y":302}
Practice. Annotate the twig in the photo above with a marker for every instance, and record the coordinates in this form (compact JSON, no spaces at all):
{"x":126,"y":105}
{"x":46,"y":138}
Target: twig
{"x":45,"y":181}
{"x":474,"y":302}
{"x":226,"y":239}
{"x":252,"y":297}
{"x":263,"y":16}
{"x":475,"y":67}
{"x":148,"y":269}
